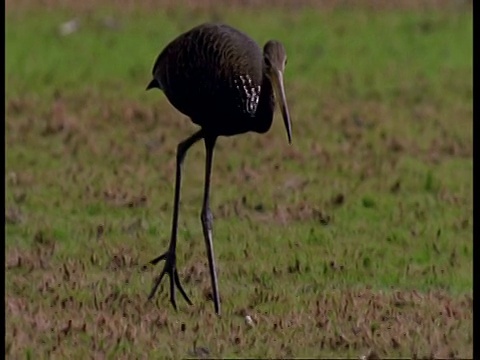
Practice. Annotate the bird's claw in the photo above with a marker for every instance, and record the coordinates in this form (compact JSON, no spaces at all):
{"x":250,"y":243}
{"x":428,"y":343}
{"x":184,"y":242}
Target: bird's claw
{"x":170,"y":269}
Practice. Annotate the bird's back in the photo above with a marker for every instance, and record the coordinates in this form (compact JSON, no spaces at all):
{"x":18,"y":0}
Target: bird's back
{"x":211,"y":72}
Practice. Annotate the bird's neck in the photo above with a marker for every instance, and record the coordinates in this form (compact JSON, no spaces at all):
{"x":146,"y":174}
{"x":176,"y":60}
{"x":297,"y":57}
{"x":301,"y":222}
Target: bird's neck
{"x":266,"y":107}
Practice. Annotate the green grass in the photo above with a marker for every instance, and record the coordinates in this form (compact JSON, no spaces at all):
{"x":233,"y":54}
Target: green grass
{"x":381,"y":105}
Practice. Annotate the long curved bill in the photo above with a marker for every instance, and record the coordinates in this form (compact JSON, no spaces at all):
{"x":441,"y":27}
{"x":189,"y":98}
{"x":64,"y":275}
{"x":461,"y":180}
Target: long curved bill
{"x":278,"y":88}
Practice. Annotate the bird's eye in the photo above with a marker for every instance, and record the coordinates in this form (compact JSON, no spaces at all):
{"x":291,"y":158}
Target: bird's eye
{"x":267,"y":62}
{"x":286,"y":60}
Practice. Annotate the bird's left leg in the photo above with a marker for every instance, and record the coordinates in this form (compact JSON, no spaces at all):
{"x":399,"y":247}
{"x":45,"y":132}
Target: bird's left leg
{"x":207,"y":220}
{"x":169,"y":256}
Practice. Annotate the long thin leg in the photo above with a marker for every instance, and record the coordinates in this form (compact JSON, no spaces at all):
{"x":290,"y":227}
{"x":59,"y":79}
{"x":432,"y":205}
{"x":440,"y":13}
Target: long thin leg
{"x":207,"y":221}
{"x":170,"y":255}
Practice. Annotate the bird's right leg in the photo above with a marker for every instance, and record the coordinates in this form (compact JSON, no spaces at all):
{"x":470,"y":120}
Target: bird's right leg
{"x":207,"y":221}
{"x":169,"y":256}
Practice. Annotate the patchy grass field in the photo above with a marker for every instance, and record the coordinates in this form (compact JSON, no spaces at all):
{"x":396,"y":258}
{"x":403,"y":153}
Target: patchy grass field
{"x":356,"y":240}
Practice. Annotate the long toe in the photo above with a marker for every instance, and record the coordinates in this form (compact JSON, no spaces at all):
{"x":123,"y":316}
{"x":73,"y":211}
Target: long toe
{"x":180,"y":287}
{"x":158,"y":259}
{"x":172,"y":290}
{"x":156,"y":285}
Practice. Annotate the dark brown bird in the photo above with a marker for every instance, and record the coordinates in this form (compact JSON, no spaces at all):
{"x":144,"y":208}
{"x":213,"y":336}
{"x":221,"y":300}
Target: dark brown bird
{"x":219,"y":77}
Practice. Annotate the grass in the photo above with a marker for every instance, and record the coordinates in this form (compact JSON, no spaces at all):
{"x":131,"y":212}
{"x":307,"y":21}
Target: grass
{"x":355,"y":239}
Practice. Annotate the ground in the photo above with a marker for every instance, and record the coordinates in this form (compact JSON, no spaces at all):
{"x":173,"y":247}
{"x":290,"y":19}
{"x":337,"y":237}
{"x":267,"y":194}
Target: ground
{"x":356,"y":240}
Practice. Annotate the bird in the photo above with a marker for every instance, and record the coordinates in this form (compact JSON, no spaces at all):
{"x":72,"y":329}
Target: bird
{"x":221,"y":79}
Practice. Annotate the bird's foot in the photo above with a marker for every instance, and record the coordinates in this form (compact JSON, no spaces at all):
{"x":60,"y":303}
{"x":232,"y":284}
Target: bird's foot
{"x":169,"y":268}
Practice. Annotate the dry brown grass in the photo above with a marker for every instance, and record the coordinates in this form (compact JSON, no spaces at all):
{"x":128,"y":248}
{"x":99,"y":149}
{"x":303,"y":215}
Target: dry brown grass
{"x":359,"y":321}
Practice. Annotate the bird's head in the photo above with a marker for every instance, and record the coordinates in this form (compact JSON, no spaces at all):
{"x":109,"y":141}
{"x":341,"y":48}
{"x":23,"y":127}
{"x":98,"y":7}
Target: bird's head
{"x":275,"y":59}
